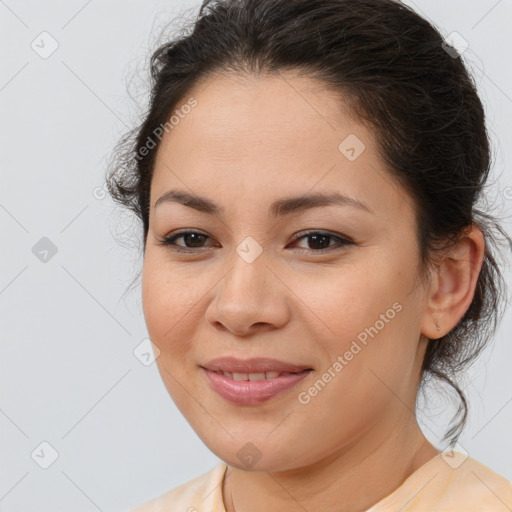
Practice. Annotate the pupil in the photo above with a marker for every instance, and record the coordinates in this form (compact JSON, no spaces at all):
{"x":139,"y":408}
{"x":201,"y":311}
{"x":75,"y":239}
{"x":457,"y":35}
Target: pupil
{"x":192,"y":235}
{"x":321,"y":237}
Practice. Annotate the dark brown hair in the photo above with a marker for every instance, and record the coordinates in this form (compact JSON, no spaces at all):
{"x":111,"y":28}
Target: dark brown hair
{"x":396,"y":73}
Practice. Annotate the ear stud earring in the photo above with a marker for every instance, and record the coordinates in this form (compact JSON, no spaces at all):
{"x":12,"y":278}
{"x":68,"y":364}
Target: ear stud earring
{"x":436,"y":324}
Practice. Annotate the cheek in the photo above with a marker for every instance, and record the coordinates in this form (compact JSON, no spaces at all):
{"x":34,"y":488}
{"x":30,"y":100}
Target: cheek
{"x":156,"y":300}
{"x":163,"y":306}
{"x":363,"y":328}
{"x":365,"y":313}
{"x":168,"y":305}
{"x":348,"y":300}
{"x":167,"y":297}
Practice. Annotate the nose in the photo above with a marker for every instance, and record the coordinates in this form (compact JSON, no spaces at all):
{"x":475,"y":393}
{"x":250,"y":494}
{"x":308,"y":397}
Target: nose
{"x":249,"y":299}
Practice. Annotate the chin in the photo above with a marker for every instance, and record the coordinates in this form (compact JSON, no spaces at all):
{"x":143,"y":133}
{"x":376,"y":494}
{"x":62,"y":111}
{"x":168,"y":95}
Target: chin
{"x":258,"y":454}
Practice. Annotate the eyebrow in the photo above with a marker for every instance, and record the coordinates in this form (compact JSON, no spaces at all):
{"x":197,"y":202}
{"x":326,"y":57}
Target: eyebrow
{"x":280,"y":207}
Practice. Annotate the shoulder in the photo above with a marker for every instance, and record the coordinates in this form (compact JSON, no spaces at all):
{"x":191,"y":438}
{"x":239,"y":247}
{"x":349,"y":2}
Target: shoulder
{"x":477,"y":484}
{"x":201,"y":493}
{"x":450,"y":482}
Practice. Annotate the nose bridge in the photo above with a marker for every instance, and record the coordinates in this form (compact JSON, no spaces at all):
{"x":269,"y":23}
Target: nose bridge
{"x":247,"y":279}
{"x":247,"y":294}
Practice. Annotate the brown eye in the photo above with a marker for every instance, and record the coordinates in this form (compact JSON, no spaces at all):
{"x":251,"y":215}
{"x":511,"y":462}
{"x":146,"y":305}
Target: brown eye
{"x":192,"y":240}
{"x":320,"y":241}
{"x":317,"y":241}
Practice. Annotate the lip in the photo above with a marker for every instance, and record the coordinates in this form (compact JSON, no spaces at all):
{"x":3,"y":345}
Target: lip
{"x":257,"y":364}
{"x":252,"y":392}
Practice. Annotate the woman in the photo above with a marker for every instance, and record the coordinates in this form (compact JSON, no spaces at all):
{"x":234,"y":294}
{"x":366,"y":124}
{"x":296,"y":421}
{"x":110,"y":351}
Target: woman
{"x":307,"y":178}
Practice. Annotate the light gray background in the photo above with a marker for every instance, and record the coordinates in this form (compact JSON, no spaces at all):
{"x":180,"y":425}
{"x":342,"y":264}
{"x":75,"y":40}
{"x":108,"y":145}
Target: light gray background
{"x":68,"y":373}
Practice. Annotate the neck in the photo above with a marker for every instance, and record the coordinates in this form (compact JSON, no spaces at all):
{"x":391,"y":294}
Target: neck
{"x":354,"y":478}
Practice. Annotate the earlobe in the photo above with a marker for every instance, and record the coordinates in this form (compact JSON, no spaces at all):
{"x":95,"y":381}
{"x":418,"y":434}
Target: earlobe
{"x":453,"y":286}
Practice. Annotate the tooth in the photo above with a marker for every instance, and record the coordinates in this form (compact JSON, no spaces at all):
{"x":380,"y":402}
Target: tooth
{"x":257,"y":376}
{"x":240,"y":376}
{"x":229,"y":375}
{"x":271,"y":375}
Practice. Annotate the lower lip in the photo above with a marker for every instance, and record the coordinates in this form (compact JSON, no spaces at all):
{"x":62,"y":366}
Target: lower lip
{"x":251,"y":392}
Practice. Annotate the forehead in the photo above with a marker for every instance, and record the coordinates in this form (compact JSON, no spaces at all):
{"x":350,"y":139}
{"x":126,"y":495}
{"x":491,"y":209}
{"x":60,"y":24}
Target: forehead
{"x":280,"y":112}
{"x":260,"y":136}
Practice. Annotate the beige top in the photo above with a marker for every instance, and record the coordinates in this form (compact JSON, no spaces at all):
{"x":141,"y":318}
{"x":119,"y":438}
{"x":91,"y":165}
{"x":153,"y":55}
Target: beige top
{"x":450,"y":482}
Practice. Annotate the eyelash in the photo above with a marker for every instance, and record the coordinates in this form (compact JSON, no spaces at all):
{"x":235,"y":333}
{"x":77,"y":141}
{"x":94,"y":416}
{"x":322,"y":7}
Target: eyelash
{"x":170,"y":241}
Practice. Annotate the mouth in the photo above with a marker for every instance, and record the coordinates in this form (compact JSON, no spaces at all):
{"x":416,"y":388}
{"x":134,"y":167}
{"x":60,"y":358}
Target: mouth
{"x":255,"y":365}
{"x":254,"y":381}
{"x":256,"y":375}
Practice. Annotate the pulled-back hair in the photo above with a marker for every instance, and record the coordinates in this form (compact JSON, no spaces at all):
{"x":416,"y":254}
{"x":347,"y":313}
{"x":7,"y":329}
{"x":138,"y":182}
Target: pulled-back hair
{"x":396,"y":73}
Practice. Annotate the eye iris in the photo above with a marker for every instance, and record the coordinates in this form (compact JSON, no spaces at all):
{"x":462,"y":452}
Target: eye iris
{"x":187,"y":236}
{"x":315,"y":238}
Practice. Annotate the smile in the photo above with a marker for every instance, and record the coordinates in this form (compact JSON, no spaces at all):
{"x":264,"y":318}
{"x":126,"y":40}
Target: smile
{"x":252,"y":388}
{"x":253,"y":376}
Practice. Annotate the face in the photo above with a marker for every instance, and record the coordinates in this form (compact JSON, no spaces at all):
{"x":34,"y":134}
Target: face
{"x":328,"y":287}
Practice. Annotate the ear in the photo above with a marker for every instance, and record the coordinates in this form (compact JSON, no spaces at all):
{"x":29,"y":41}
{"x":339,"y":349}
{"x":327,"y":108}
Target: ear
{"x":453,"y":284}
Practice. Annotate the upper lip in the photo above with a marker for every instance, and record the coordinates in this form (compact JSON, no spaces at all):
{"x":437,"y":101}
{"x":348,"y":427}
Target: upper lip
{"x":258,"y":364}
